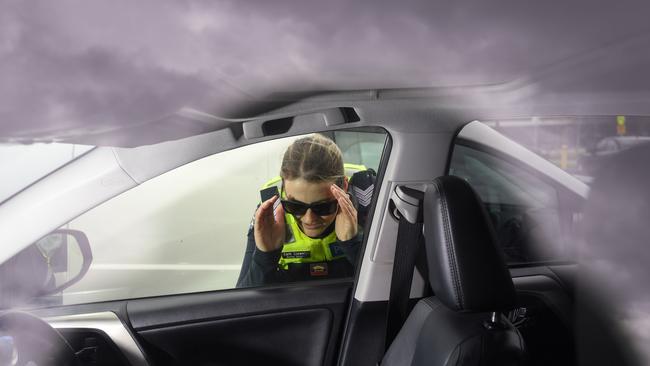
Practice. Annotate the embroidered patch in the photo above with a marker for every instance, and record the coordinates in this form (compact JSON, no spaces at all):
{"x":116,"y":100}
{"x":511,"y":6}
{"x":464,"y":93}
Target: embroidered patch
{"x":268,"y":193}
{"x":364,"y":196}
{"x":291,"y":255}
{"x":336,"y":250}
{"x":318,"y":269}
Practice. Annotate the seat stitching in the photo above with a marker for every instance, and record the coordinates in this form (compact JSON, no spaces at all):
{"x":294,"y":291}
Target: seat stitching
{"x":450,"y":248}
{"x":432,"y":305}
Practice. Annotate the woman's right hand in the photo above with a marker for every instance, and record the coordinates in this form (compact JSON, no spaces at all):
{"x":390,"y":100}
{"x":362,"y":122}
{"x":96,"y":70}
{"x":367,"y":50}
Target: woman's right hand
{"x":269,"y":226}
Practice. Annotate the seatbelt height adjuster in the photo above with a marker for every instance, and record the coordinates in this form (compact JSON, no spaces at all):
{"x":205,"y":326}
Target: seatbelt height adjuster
{"x":407,"y":202}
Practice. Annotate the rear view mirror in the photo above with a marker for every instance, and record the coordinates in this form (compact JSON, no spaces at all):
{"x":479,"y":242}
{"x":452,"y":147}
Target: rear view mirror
{"x":50,"y":265}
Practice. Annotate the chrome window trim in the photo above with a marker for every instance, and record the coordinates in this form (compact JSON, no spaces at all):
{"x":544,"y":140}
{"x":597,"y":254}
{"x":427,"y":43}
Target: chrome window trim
{"x":109,"y":323}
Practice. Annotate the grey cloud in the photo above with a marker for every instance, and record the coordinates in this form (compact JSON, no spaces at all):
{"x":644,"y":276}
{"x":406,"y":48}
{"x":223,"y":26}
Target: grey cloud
{"x":69,"y":64}
{"x":614,"y":255}
{"x":53,"y":80}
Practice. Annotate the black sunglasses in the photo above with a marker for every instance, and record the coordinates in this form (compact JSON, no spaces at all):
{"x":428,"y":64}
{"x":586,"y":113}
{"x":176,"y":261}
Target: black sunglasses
{"x":300,"y":209}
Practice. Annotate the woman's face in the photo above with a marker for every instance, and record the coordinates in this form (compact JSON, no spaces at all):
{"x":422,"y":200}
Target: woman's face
{"x":308,"y":192}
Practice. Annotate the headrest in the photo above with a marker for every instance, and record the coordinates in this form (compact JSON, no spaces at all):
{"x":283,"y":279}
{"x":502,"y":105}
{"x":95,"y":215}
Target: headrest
{"x":466,"y":267}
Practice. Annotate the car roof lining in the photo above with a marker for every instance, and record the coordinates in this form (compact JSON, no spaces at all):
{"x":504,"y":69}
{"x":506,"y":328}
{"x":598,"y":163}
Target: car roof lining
{"x":145,"y":162}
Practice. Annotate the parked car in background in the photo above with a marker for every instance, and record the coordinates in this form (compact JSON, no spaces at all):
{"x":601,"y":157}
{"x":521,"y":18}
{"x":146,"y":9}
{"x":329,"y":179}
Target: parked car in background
{"x":608,"y":147}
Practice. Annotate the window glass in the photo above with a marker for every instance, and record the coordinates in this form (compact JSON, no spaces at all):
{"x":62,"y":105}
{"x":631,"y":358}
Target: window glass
{"x":362,"y":147}
{"x":33,"y":162}
{"x":188,"y":229}
{"x":525,"y":209}
{"x":577,"y":145}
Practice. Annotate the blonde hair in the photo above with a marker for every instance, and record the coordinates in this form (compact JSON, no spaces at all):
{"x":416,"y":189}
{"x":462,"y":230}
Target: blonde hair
{"x":314,"y":158}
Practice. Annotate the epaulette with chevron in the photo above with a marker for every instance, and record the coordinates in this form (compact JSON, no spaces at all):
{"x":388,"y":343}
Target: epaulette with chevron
{"x":362,"y":187}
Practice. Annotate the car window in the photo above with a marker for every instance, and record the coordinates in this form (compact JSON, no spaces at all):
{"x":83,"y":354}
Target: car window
{"x":577,"y":145}
{"x":187,"y":230}
{"x":362,"y":147}
{"x":33,"y":162}
{"x":524,"y":208}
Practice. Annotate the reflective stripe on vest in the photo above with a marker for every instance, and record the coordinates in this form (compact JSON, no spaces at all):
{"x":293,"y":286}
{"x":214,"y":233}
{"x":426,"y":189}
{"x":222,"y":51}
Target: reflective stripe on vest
{"x":299,"y":248}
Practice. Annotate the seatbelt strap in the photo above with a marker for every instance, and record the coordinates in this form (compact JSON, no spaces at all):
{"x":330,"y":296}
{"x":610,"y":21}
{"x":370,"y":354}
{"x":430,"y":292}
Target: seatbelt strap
{"x":408,"y":205}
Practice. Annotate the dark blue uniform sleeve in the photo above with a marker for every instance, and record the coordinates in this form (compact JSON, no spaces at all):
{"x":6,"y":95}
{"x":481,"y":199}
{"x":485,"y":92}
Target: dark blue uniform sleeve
{"x":351,"y":248}
{"x":260,"y":268}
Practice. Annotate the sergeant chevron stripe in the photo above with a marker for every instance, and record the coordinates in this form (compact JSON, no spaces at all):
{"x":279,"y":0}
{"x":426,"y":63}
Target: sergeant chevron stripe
{"x":363,"y":196}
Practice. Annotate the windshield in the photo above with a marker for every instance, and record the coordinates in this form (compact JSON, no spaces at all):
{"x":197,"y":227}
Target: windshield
{"x":25,"y":164}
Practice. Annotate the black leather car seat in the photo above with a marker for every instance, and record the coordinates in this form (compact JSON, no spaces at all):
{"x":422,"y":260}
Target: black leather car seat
{"x":463,"y":323}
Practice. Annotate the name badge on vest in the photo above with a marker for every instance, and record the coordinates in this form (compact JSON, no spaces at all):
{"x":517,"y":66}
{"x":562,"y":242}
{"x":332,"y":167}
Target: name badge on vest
{"x":292,"y":255}
{"x":318,"y":269}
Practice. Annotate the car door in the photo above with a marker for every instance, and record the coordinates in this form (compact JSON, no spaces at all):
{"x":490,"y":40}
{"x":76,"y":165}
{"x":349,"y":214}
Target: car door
{"x":191,"y":317}
{"x":533,"y":204}
{"x":166,"y":257}
{"x":535,"y":208}
{"x":157,"y":301}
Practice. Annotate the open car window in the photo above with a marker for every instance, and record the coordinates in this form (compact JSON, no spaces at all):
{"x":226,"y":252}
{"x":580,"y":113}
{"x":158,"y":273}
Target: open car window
{"x":187,"y":230}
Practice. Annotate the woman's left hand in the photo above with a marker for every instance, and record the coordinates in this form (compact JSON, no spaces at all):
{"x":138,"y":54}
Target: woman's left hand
{"x":346,"y":217}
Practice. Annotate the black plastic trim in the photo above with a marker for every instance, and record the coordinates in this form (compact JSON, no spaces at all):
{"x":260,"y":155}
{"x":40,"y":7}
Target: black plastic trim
{"x":297,"y":337}
{"x":452,"y":146}
{"x":364,"y":334}
{"x":277,"y":126}
{"x":350,"y":114}
{"x":548,"y":272}
{"x":540,"y":264}
{"x":358,"y":311}
{"x":163,"y":312}
{"x":383,"y":163}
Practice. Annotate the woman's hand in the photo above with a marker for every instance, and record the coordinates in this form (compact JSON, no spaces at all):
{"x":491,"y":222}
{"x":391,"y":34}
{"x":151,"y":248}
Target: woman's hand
{"x":346,"y":218}
{"x":269,"y":226}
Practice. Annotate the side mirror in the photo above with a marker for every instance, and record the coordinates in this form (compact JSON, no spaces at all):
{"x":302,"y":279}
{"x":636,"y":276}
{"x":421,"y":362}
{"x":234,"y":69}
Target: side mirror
{"x":53,"y":263}
{"x":68,"y":254}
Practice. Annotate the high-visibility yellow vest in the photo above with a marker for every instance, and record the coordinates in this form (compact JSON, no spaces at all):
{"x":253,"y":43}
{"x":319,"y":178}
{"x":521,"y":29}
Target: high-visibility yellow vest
{"x":300,"y":248}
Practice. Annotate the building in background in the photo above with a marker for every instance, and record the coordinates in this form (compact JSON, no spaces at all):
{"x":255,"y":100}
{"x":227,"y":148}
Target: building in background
{"x":578,"y":145}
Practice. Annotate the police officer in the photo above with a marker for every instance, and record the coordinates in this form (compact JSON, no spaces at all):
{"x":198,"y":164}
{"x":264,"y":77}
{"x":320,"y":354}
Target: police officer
{"x":311,"y":230}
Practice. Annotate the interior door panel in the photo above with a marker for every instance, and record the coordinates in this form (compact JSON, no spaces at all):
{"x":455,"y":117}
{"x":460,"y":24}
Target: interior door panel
{"x":289,"y":326}
{"x":298,"y":337}
{"x":300,"y":324}
{"x":544,"y":313}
